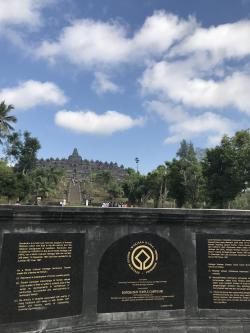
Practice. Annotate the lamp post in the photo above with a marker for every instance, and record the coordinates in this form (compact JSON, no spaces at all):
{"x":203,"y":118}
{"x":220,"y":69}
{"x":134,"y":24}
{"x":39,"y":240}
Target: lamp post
{"x":137,"y":162}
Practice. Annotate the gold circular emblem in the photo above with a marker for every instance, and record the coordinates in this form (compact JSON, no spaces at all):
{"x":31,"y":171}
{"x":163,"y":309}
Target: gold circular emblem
{"x":142,"y":257}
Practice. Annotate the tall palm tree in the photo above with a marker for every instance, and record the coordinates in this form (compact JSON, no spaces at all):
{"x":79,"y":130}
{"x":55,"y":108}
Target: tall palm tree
{"x":6,"y":120}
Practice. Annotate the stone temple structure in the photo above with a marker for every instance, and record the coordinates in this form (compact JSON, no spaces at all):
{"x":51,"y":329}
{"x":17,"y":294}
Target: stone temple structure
{"x":78,"y":171}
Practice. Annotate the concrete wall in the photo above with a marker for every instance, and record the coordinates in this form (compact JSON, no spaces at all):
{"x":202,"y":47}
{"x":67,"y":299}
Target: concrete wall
{"x":102,"y":228}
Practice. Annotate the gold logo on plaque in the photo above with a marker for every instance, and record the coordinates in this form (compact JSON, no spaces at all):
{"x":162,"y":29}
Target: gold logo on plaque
{"x":142,"y":257}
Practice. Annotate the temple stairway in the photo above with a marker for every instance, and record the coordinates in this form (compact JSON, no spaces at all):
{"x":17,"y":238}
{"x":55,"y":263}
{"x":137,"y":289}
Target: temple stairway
{"x":74,"y":196}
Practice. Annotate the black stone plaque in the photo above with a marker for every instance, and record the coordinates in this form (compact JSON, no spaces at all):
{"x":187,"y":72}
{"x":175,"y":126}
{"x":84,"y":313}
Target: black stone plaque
{"x":41,"y":276}
{"x":223,"y":271}
{"x":140,"y":272}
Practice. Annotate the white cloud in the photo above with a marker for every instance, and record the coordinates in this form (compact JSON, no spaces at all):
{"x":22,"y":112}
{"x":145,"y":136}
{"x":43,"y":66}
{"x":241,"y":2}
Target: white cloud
{"x":92,"y":123}
{"x":197,"y":74}
{"x":89,"y":43}
{"x":224,"y":41}
{"x":174,"y":81}
{"x":199,"y":125}
{"x":197,"y":71}
{"x":160,"y":31}
{"x":102,"y":84}
{"x":31,"y":93}
{"x":171,"y":114}
{"x":182,"y":125}
{"x":25,"y":12}
{"x":16,"y":39}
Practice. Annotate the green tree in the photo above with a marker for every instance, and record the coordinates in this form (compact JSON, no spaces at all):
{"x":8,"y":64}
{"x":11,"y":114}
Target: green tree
{"x":186,"y":152}
{"x":103,"y":177}
{"x":8,"y":181}
{"x":41,"y":185}
{"x":23,"y":149}
{"x":6,"y":120}
{"x":134,"y":187}
{"x":175,"y":182}
{"x":185,"y":178}
{"x":157,"y":185}
{"x":45,"y":181}
{"x":227,"y":169}
{"x":55,"y":176}
{"x":24,"y":187}
{"x":241,"y":142}
{"x":115,"y":190}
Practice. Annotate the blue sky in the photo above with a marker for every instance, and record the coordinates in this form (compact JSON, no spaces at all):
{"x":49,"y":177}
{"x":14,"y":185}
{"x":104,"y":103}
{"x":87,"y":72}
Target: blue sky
{"x":125,"y":79}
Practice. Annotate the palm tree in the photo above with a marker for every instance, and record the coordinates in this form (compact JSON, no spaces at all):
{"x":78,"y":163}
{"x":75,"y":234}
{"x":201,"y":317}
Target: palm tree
{"x":6,"y":120}
{"x":46,"y":180}
{"x":55,"y":176}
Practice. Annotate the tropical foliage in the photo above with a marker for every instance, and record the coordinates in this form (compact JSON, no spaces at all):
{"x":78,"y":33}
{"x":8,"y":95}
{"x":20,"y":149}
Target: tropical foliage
{"x":6,"y":120}
{"x":218,"y":177}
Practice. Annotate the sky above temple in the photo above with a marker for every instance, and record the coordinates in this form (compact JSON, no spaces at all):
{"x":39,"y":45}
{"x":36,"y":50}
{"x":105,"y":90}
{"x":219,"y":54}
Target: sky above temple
{"x":123,"y":79}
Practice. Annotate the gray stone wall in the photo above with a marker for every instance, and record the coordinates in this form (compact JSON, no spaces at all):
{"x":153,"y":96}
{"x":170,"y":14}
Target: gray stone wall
{"x":102,"y":227}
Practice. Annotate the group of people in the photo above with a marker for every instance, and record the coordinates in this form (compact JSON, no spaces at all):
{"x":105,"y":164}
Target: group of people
{"x":114,"y":204}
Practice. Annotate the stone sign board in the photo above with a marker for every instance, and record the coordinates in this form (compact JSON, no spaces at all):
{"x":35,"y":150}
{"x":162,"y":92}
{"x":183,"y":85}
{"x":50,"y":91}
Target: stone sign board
{"x":41,"y":276}
{"x":140,"y":272}
{"x":223,"y":271}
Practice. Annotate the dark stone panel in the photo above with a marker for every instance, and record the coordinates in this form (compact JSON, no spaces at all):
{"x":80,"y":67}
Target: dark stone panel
{"x":140,"y":272}
{"x":189,"y":260}
{"x":223,"y":271}
{"x":41,"y":276}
